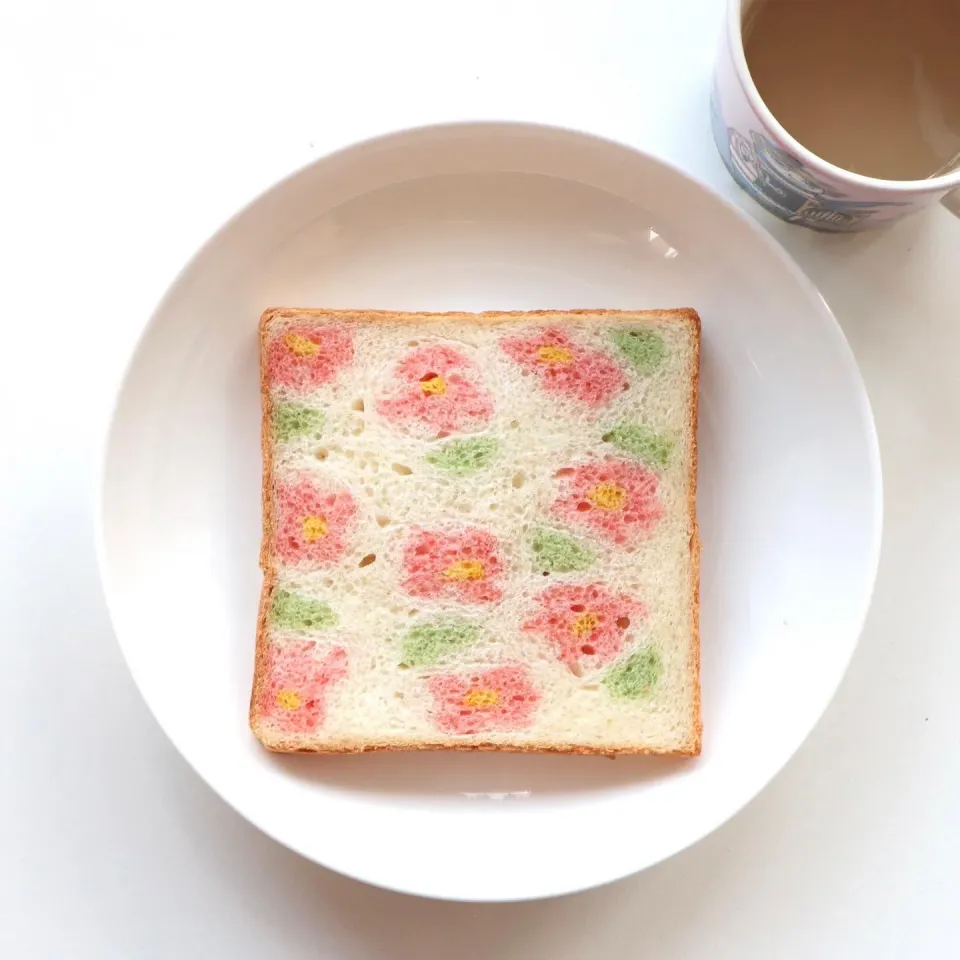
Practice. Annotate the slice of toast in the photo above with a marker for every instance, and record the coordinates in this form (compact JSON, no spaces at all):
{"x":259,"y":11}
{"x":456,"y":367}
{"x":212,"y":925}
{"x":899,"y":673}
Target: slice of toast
{"x":479,"y":531}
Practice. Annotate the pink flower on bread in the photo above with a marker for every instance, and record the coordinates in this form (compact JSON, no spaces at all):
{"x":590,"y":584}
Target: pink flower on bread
{"x":586,"y":624}
{"x":313,"y":522}
{"x":305,"y":357}
{"x":464,"y":565}
{"x":297,"y":677}
{"x":616,"y":499}
{"x":437,"y":392}
{"x":499,"y":699}
{"x":566,"y":368}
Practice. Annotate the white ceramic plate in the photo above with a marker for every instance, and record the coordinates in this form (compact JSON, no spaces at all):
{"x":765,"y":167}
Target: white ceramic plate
{"x":477,"y":217}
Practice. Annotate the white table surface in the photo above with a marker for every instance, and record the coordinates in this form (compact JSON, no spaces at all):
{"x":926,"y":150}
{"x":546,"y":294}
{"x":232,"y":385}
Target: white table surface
{"x":127,"y":137}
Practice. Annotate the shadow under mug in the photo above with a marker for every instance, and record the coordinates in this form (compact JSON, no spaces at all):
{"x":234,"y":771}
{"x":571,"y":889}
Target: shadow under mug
{"x":787,"y":179}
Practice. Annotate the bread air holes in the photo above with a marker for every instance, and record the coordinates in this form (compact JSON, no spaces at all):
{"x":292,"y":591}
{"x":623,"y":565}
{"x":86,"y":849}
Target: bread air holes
{"x":382,"y":520}
{"x":321,"y":453}
{"x":357,"y":405}
{"x":588,"y":649}
{"x":563,"y":472}
{"x":367,"y":560}
{"x":402,"y":469}
{"x":623,"y":622}
{"x":519,"y":479}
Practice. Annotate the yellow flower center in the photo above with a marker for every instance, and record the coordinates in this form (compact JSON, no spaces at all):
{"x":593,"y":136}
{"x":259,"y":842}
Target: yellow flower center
{"x":288,"y":699}
{"x":555,"y":356}
{"x":435,"y":386}
{"x":584,"y":625}
{"x":608,"y":496}
{"x":314,"y":528}
{"x":465,"y":570}
{"x":481,"y":699}
{"x":301,"y":346}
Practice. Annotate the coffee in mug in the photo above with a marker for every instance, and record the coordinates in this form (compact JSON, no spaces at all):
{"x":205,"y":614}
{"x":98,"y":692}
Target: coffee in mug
{"x":841,"y":114}
{"x":872,"y":86}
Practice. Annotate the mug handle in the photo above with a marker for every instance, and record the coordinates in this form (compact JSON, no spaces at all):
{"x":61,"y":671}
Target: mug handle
{"x":951,"y":201}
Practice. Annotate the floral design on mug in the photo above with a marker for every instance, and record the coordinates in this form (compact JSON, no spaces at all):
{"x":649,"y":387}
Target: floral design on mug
{"x":781,"y":183}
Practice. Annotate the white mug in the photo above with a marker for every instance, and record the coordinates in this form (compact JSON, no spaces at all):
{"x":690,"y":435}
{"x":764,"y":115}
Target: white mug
{"x":787,"y":179}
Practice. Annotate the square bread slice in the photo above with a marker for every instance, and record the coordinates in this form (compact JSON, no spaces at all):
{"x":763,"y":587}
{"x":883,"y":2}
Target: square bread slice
{"x":479,"y":531}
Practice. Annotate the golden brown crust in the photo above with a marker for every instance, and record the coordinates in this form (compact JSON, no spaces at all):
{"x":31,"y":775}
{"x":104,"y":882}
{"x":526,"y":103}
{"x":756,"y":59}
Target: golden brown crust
{"x":695,"y":744}
{"x":679,"y":315}
{"x":407,"y":746}
{"x":266,"y":541}
{"x":281,"y":745}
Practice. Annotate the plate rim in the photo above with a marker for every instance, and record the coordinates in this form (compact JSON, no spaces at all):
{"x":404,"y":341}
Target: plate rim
{"x":490,"y":127}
